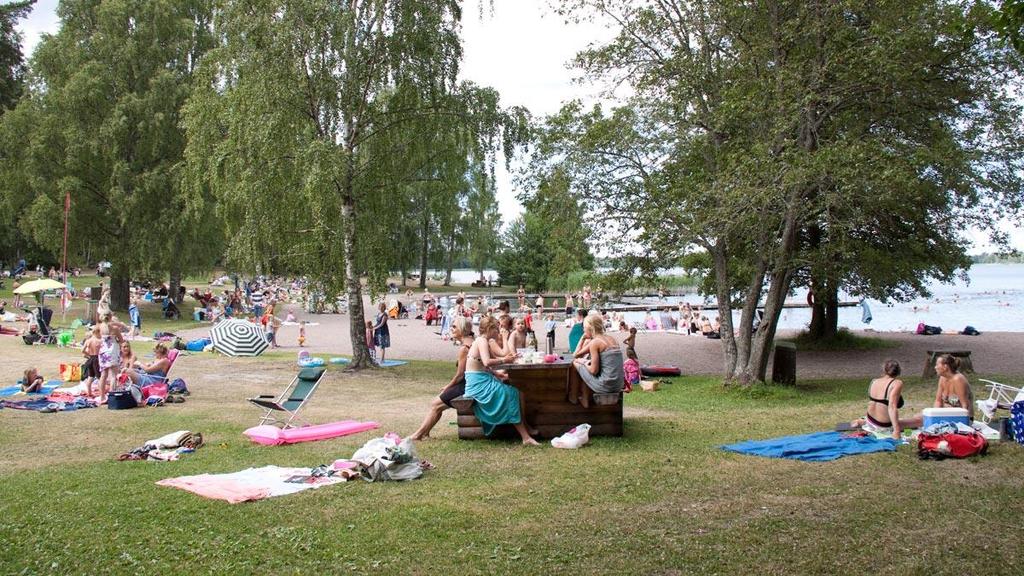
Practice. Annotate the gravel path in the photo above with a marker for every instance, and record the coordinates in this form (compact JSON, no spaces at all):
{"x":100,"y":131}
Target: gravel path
{"x":993,"y":353}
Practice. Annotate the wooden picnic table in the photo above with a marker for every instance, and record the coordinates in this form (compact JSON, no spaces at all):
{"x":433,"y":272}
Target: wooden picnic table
{"x":545,"y":391}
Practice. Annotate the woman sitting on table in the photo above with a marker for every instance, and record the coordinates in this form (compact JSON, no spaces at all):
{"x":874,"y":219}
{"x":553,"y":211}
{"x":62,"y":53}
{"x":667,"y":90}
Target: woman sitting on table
{"x":884,"y":402}
{"x":602,"y":372}
{"x":953,"y":391}
{"x":462,"y":335}
{"x":155,"y":372}
{"x":495,"y":403}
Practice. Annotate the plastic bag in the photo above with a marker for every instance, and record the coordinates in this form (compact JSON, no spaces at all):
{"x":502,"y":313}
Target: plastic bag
{"x":574,"y":438}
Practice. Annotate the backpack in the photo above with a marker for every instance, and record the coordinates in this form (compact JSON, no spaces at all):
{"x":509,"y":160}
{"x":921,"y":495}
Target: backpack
{"x":177,"y":386}
{"x":950,"y":445}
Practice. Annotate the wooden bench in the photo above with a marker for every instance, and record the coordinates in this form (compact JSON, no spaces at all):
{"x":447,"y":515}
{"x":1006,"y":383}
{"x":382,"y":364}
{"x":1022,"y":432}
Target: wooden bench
{"x":929,"y":364}
{"x":545,"y":392}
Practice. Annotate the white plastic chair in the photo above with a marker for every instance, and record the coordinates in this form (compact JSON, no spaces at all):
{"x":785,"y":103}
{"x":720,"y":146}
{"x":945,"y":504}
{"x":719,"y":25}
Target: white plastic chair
{"x":1001,"y":396}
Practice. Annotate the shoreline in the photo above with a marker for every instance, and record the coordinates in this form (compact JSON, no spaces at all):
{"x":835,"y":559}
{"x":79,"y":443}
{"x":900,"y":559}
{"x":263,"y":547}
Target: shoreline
{"x":993,"y":353}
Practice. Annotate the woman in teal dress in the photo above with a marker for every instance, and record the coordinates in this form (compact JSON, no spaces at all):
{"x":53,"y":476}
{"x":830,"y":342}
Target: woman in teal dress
{"x":495,"y":403}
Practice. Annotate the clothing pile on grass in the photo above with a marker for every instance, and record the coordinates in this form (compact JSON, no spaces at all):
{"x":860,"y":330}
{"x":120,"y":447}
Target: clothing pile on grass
{"x":389,"y":458}
{"x":951,"y":440}
{"x":167,"y":448}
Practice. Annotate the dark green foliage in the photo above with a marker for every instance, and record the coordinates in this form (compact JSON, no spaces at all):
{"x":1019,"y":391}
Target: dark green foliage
{"x":841,"y":145}
{"x":549,"y":242}
{"x":12,"y":61}
{"x":102,"y":123}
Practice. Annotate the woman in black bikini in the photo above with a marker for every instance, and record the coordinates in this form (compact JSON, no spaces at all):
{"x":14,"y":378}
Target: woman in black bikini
{"x":885,"y":398}
{"x":462,"y":332}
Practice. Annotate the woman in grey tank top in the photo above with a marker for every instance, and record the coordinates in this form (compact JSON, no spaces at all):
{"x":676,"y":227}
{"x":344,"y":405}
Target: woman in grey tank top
{"x":602,"y":372}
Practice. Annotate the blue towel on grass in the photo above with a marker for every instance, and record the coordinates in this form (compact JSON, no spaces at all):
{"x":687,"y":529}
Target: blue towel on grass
{"x":47,"y":388}
{"x":817,"y":447}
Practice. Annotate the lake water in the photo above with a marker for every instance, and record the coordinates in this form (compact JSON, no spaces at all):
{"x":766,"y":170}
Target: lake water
{"x":992,"y":299}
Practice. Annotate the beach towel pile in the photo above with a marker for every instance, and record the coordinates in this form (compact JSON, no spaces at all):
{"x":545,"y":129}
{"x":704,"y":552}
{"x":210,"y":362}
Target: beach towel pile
{"x":817,"y":447}
{"x":167,"y":448}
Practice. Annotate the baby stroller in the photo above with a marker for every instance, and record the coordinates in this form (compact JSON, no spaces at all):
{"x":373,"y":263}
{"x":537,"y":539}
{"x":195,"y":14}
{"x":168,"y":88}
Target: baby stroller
{"x":171,"y":311}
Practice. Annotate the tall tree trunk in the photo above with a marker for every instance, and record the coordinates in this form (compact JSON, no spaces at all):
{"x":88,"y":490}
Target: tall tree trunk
{"x":781,"y":277}
{"x":353,"y":284}
{"x":729,"y":351}
{"x":405,"y":276}
{"x":175,"y":284}
{"x":119,"y":288}
{"x":424,"y":245}
{"x":825,"y":312}
{"x":750,"y":302}
{"x":449,"y":260}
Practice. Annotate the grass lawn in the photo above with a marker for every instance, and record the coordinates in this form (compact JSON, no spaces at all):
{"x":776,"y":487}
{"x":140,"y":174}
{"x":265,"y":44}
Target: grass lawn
{"x":661,"y":500}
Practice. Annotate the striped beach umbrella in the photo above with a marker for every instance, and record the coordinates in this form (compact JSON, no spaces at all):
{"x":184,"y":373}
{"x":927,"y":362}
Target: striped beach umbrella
{"x":238,"y":337}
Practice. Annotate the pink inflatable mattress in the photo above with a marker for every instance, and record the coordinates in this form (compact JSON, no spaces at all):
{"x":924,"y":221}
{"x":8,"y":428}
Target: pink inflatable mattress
{"x":273,"y":436}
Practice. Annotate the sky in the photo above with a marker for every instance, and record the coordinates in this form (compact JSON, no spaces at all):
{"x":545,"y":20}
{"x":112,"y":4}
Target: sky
{"x":520,"y":48}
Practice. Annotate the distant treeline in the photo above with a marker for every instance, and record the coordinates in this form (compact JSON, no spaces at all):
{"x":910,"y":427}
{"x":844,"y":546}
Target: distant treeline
{"x":986,"y":258}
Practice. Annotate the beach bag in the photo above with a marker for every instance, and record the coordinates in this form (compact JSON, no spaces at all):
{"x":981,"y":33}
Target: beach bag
{"x":970,"y":331}
{"x":927,"y":330}
{"x":197,"y":345}
{"x":121,"y":400}
{"x":950,"y":445}
{"x":177,"y":386}
{"x":71,"y":372}
{"x":1017,"y":419}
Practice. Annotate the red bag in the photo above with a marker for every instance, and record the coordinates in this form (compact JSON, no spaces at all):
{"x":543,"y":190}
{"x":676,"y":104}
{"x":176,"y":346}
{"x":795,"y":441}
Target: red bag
{"x":950,"y":445}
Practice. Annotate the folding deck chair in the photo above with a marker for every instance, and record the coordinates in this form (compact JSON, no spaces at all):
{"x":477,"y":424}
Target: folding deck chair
{"x":42,"y":317}
{"x":292,"y":399}
{"x":172,"y":355}
{"x":1000,"y":397}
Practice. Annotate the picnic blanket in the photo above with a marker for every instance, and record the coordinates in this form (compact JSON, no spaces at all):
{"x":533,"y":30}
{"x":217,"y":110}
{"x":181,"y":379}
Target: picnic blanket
{"x":816,"y":447}
{"x":251,"y":484}
{"x":16,"y":389}
{"x":46,"y":405}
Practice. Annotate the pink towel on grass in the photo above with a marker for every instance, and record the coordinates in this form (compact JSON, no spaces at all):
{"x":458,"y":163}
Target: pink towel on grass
{"x":210,"y":486}
{"x":250,"y":484}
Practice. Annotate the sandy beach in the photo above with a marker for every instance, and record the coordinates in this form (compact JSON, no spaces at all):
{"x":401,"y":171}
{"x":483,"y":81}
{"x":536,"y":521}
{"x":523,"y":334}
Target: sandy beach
{"x":996,"y":354}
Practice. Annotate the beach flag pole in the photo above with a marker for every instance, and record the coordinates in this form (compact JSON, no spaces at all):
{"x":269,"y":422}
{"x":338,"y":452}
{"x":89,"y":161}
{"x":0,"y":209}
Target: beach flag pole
{"x":65,"y":299}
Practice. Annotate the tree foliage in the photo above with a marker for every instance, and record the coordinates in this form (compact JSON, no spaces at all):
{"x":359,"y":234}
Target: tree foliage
{"x":101,"y":123}
{"x":12,"y":61}
{"x":319,"y":124}
{"x":550,"y":241}
{"x":852,"y":143}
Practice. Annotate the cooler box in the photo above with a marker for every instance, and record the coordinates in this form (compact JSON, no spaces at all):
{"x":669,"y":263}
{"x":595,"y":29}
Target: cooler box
{"x":941,"y":415}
